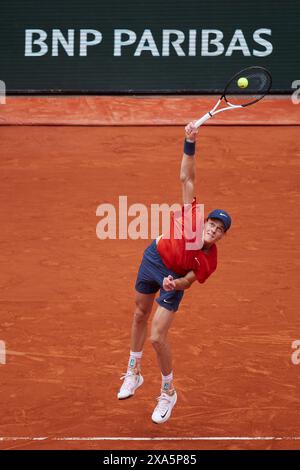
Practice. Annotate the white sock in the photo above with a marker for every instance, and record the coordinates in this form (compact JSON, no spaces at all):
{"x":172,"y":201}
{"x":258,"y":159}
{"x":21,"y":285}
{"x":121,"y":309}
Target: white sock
{"x":167,"y":382}
{"x":135,"y":360}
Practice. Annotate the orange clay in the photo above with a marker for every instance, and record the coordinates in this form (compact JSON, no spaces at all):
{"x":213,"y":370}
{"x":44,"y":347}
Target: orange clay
{"x":67,"y":297}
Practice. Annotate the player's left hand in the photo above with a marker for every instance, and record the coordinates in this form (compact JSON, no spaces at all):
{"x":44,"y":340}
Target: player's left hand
{"x":169,"y":283}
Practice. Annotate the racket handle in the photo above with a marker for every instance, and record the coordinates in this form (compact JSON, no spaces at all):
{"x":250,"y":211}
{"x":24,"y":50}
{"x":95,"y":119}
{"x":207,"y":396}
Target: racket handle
{"x":202,"y":120}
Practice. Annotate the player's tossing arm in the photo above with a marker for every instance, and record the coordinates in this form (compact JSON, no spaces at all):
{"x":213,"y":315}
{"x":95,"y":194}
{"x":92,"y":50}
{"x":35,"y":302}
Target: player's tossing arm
{"x":187,"y":170}
{"x":182,"y":283}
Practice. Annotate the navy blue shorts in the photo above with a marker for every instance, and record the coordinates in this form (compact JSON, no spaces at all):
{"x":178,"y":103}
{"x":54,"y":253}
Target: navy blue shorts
{"x":150,"y":279}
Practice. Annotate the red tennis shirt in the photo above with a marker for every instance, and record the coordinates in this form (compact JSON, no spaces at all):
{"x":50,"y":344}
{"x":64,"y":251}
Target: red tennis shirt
{"x":174,"y":249}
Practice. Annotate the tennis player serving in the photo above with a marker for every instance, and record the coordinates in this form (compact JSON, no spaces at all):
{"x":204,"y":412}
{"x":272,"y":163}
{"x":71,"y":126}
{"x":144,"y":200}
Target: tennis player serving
{"x":170,"y":267}
{"x":169,"y":264}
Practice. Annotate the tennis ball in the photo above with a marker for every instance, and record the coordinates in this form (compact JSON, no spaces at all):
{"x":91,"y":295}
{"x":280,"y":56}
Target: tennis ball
{"x":242,"y":82}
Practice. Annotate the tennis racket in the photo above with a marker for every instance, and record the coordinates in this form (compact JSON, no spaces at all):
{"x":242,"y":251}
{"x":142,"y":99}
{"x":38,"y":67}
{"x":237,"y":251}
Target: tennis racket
{"x":246,"y":87}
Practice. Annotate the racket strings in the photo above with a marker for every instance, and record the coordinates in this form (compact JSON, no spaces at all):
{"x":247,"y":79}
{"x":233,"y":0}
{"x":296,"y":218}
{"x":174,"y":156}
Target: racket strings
{"x":258,"y":82}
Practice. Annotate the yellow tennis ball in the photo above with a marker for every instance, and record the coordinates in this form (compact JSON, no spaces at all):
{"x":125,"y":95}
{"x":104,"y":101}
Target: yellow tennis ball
{"x":242,"y":82}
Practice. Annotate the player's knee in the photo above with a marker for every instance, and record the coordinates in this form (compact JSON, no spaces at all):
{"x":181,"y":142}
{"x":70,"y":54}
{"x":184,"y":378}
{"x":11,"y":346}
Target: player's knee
{"x":157,"y":341}
{"x":141,"y":313}
{"x":186,"y":178}
{"x":183,"y":177}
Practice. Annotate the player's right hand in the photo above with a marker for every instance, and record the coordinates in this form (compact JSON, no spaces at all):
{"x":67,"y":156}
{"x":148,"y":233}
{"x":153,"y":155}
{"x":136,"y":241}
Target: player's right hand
{"x":191,"y":131}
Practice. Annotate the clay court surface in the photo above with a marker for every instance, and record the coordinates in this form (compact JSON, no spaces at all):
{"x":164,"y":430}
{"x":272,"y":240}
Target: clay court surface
{"x":67,"y":297}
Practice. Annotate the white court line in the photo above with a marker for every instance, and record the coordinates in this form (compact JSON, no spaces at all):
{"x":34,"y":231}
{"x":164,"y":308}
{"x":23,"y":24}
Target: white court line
{"x":23,"y":438}
{"x":202,"y":438}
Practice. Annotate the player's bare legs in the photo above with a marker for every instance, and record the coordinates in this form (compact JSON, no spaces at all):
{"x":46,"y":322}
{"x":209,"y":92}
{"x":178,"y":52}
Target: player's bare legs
{"x":133,"y":378}
{"x":161,"y":323}
{"x":144,"y":303}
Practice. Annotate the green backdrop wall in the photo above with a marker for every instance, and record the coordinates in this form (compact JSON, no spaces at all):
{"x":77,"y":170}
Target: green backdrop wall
{"x":119,"y":46}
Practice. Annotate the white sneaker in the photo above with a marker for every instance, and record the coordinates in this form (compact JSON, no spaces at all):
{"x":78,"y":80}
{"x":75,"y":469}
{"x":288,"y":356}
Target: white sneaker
{"x":164,"y":407}
{"x":131,"y":382}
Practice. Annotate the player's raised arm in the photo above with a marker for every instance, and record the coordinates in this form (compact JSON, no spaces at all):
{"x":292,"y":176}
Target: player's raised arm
{"x":187,"y":170}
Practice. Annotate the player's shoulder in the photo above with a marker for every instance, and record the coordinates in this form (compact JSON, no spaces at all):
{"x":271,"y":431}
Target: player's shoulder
{"x":211,"y":257}
{"x":212,"y":251}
